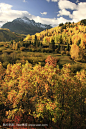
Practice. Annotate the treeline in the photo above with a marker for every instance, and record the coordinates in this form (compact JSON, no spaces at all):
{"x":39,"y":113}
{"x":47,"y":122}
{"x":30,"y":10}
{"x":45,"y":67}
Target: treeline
{"x":9,"y":55}
{"x":38,"y":46}
{"x":68,"y":33}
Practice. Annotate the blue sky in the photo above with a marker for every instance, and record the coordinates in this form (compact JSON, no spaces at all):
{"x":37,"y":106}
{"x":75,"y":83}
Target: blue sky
{"x":51,"y":12}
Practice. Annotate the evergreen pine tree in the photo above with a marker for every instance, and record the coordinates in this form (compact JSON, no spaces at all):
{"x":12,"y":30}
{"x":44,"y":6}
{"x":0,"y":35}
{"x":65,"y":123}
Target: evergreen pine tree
{"x":52,"y":45}
{"x":68,"y":46}
{"x":35,"y":40}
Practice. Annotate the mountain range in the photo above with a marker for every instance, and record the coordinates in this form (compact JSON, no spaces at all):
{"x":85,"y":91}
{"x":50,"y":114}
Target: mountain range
{"x":25,"y":26}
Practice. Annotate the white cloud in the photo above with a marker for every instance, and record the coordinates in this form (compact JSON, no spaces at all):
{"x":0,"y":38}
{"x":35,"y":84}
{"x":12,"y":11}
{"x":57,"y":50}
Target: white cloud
{"x":54,"y":0}
{"x":44,"y":13}
{"x":79,"y":10}
{"x":53,"y":21}
{"x":4,"y":7}
{"x":80,"y":13}
{"x":7,"y":14}
{"x":81,"y":5}
{"x":65,"y":4}
{"x":48,"y":0}
{"x":77,"y":1}
{"x":24,"y":1}
{"x":62,"y":20}
{"x":64,"y":12}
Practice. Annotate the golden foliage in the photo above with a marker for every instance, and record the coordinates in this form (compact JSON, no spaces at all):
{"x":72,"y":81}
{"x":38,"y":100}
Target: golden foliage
{"x":74,"y":52}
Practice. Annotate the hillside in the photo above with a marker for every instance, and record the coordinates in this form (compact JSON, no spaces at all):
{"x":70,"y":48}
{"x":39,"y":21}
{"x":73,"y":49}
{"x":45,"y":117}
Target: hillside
{"x":25,"y":26}
{"x":7,"y":35}
{"x":68,"y":33}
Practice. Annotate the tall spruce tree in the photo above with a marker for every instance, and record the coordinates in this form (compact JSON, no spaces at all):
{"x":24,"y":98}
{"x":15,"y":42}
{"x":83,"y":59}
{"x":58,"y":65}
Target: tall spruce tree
{"x":52,"y":45}
{"x":35,"y":40}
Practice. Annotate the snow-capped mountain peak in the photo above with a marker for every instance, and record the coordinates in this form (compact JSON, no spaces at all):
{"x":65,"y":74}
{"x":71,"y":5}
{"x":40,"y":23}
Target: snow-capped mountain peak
{"x":24,"y":25}
{"x":30,"y":22}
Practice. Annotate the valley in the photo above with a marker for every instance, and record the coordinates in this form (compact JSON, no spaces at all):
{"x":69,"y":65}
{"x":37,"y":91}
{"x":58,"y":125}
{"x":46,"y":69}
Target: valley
{"x":43,"y":76}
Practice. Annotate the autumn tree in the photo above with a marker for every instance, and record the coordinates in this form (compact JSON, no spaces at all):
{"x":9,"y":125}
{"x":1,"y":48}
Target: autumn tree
{"x":28,"y":37}
{"x":63,"y":27}
{"x":48,"y":94}
{"x":61,"y":24}
{"x":74,"y":52}
{"x":14,"y":44}
{"x":51,"y":61}
{"x":58,"y":39}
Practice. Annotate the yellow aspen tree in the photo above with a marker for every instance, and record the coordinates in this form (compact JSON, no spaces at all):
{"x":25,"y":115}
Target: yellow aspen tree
{"x":64,"y":40}
{"x":55,"y":39}
{"x":48,"y":39}
{"x":82,"y":44}
{"x":68,"y":40}
{"x":33,"y":38}
{"x":16,"y":46}
{"x":44,"y":40}
{"x":74,"y":51}
{"x":28,"y":37}
{"x":38,"y":37}
{"x":75,"y":40}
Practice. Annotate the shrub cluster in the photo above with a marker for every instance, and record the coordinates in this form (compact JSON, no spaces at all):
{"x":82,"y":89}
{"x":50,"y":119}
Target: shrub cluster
{"x":43,"y":95}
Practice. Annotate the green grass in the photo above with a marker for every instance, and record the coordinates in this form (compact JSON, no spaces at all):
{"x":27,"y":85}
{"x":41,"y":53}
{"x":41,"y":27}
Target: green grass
{"x":35,"y":57}
{"x":65,"y":59}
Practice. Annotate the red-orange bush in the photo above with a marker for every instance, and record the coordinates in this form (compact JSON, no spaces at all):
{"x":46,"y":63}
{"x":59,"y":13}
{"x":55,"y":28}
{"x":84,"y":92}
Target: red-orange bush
{"x":51,"y":61}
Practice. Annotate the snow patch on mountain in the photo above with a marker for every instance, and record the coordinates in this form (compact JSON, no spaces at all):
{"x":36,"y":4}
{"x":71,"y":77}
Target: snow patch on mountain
{"x":30,"y":22}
